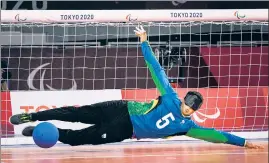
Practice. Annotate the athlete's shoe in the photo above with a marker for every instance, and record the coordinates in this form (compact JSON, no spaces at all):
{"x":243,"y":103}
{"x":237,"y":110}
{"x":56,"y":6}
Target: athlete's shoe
{"x":28,"y":131}
{"x":20,"y":119}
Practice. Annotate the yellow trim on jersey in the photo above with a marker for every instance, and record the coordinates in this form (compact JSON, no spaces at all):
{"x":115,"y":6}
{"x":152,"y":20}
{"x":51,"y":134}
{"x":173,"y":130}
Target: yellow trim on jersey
{"x":155,"y":102}
{"x":169,"y":137}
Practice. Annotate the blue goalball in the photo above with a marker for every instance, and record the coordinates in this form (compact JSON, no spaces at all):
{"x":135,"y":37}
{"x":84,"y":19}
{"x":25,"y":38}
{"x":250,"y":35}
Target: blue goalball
{"x":45,"y":135}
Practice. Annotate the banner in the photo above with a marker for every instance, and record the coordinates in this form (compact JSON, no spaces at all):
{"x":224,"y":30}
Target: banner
{"x":50,"y":16}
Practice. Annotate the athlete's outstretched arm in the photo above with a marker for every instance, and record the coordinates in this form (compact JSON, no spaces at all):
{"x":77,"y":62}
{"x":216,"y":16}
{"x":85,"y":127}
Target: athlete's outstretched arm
{"x":158,"y":75}
{"x":215,"y":136}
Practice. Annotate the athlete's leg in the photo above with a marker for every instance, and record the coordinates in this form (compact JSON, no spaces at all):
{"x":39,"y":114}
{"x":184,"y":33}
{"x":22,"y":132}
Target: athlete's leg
{"x":91,"y":114}
{"x":93,"y":135}
{"x":115,"y":128}
{"x":116,"y":131}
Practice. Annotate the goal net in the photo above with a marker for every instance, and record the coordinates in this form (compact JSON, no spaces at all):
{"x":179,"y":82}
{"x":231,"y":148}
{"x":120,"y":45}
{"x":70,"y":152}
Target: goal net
{"x":58,"y":58}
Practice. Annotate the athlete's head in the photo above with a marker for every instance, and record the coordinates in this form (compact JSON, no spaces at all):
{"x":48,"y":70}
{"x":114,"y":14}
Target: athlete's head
{"x":192,"y":102}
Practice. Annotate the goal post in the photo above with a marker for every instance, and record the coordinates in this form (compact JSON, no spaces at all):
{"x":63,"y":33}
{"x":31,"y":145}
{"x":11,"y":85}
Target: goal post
{"x":80,"y":57}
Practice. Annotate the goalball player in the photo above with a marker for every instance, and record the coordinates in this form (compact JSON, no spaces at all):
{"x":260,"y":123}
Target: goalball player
{"x":115,"y":121}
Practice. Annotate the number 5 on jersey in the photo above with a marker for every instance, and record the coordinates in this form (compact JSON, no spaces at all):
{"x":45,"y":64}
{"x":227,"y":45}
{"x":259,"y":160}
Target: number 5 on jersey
{"x":164,"y":121}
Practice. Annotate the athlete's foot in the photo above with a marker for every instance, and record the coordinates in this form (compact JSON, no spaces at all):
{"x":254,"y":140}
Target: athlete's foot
{"x":28,"y":131}
{"x":20,"y":119}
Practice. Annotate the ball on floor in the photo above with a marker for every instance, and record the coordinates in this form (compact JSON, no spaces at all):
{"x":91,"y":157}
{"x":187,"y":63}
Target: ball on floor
{"x":45,"y":135}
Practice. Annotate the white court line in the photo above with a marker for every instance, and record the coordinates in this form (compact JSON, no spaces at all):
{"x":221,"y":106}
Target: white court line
{"x":134,"y":156}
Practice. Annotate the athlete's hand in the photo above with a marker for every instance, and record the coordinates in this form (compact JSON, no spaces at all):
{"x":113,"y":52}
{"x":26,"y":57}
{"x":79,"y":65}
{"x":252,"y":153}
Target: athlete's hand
{"x":253,"y":146}
{"x":140,"y":32}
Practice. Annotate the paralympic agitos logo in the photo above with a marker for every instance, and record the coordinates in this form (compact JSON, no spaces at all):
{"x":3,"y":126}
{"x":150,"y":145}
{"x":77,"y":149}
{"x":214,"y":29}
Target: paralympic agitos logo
{"x":205,"y":116}
{"x":238,"y":15}
{"x":19,"y":19}
{"x":131,"y":18}
{"x":32,"y":75}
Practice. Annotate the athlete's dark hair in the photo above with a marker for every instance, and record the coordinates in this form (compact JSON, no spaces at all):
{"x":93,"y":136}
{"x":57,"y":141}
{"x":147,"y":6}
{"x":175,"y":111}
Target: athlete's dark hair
{"x":194,"y":100}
